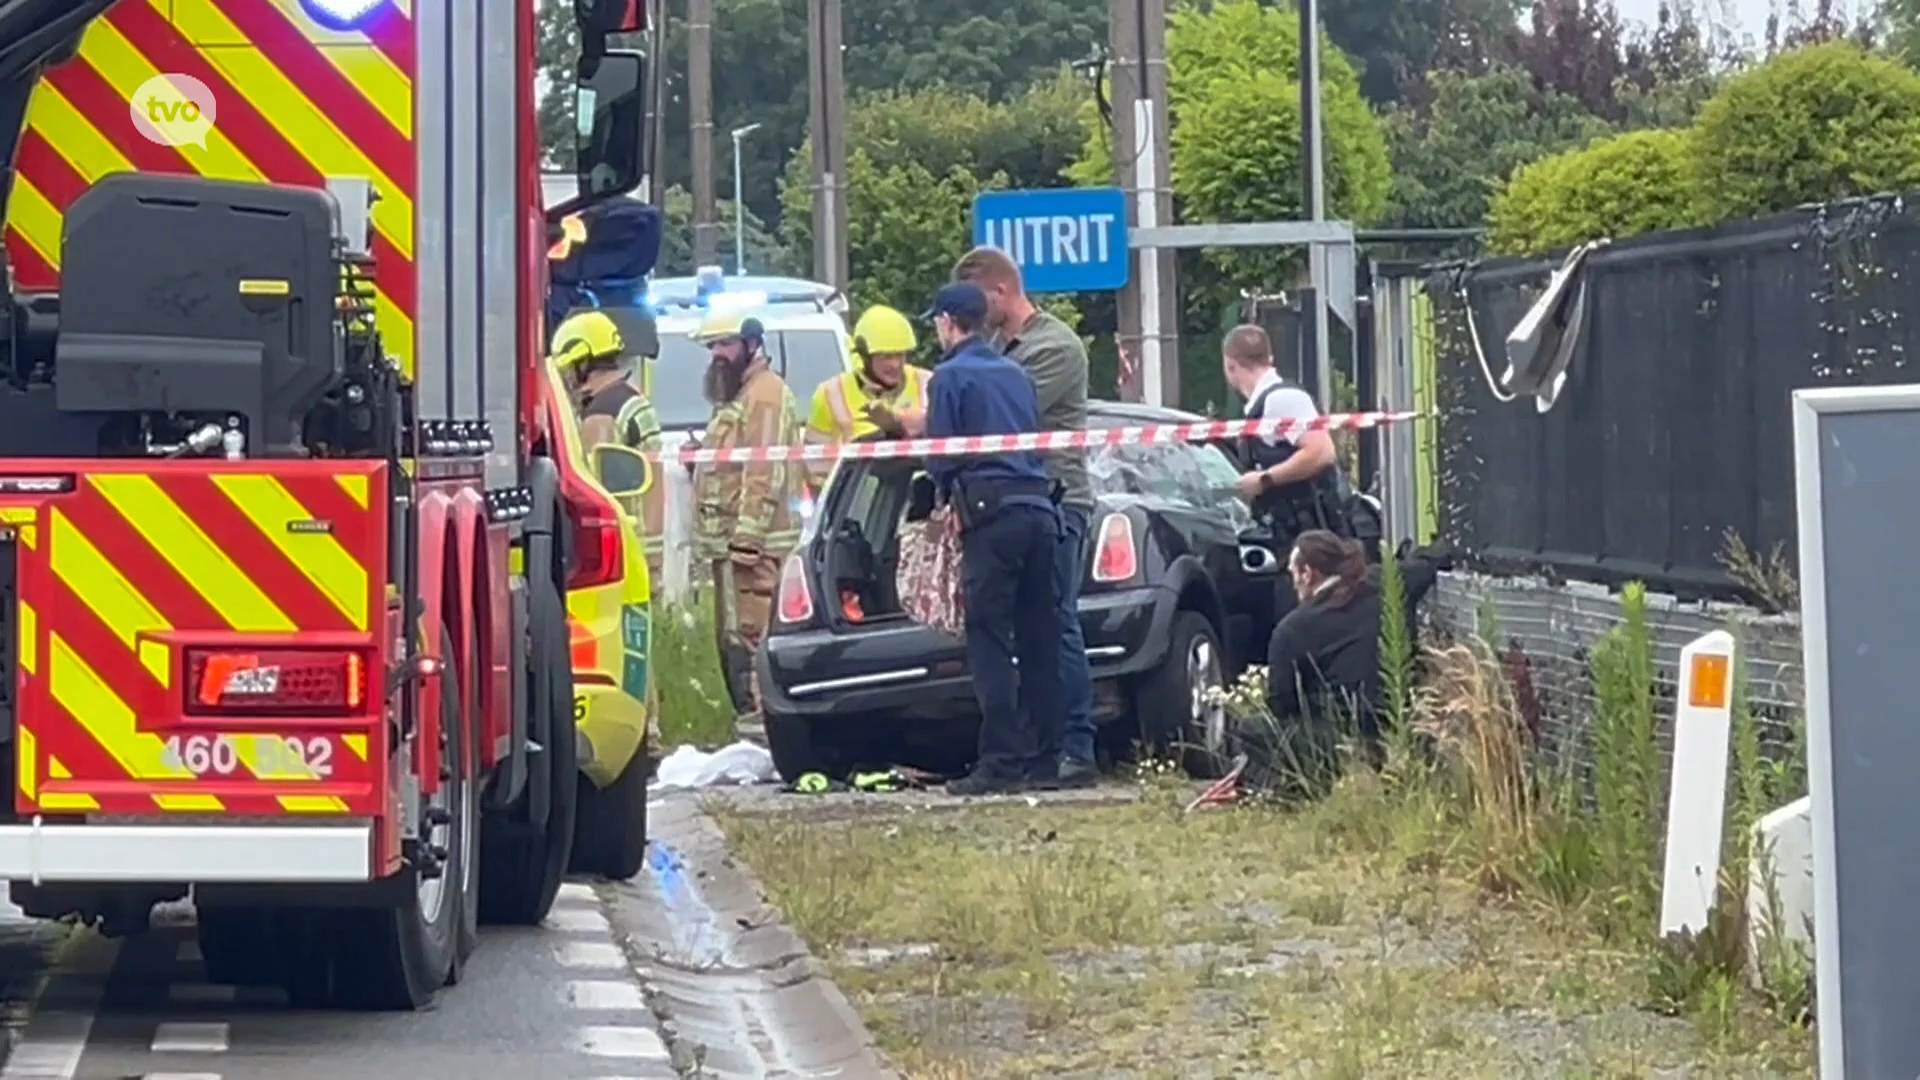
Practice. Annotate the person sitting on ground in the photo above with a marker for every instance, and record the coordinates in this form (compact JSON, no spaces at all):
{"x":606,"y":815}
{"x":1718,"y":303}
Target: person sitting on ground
{"x":1323,"y":660}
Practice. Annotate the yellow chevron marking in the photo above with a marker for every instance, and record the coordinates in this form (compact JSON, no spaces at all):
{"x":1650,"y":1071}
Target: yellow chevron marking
{"x":61,"y":122}
{"x":35,"y":219}
{"x":189,"y":803}
{"x":98,"y":584}
{"x":188,"y":549}
{"x":57,"y":771}
{"x":29,"y":761}
{"x":355,"y":486}
{"x":357,"y":744}
{"x":94,"y":706}
{"x":18,"y":515}
{"x":270,"y":506}
{"x":69,"y":801}
{"x":30,"y":536}
{"x":29,"y":645}
{"x":313,"y":804}
{"x":125,"y":69}
{"x":301,"y":120}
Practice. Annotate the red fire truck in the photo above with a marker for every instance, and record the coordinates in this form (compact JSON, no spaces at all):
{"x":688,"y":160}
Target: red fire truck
{"x":288,"y":509}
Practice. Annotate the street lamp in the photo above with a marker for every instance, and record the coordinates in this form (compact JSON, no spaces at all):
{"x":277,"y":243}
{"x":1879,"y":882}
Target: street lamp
{"x":739,"y":207}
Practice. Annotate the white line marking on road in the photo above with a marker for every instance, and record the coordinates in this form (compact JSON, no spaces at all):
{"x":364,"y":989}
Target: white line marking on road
{"x":181,"y":1076}
{"x":590,"y":954}
{"x":194,"y":1038}
{"x":605,"y":994}
{"x":202,"y":994}
{"x":51,"y":1046}
{"x":623,"y":1042}
{"x":579,"y":920}
{"x":188,"y":953}
{"x":573,"y":892}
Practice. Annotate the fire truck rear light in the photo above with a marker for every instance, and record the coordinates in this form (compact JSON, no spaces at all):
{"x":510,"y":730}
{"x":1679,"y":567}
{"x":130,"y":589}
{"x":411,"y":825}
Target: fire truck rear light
{"x":275,"y":681}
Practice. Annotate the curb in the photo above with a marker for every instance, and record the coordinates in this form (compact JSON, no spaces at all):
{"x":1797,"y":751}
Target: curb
{"x":739,"y":995}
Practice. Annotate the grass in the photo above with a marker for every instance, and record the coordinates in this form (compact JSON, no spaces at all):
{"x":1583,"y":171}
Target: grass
{"x":694,"y":709}
{"x":1458,"y":914}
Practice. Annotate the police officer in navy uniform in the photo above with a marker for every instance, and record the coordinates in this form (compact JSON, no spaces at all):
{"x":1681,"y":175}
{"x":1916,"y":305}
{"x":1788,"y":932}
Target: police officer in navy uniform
{"x":1295,"y":484}
{"x":1010,"y":526}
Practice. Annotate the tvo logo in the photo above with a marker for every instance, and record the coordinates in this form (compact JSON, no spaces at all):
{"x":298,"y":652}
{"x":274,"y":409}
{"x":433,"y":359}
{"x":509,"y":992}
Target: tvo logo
{"x":173,"y":110}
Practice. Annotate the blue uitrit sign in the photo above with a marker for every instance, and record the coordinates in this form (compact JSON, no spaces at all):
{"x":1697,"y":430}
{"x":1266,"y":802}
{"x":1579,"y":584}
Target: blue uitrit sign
{"x":1064,"y":239}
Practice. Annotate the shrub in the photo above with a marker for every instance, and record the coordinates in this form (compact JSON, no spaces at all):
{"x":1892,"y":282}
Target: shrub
{"x":1613,"y":187}
{"x":1813,"y":125}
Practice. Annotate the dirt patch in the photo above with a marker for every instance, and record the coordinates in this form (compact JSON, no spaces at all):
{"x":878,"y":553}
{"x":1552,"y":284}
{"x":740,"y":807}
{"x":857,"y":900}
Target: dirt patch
{"x":1121,"y":939}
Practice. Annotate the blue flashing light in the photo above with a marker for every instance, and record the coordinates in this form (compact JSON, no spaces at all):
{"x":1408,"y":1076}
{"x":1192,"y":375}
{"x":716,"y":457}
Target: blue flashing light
{"x":344,"y":14}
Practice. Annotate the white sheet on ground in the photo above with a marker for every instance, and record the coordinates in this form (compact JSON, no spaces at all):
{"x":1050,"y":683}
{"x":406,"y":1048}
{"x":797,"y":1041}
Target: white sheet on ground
{"x":690,"y":767}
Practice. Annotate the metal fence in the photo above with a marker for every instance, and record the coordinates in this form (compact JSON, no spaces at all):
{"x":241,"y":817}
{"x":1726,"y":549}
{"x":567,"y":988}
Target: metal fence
{"x":1545,"y":634}
{"x":1673,"y":428}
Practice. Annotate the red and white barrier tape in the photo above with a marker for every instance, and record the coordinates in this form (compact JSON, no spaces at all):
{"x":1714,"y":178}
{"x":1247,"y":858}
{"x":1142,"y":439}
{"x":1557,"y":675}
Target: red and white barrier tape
{"x":1045,"y":441}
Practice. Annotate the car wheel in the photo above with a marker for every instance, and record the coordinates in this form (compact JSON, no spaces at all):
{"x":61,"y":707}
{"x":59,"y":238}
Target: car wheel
{"x":1178,"y":721}
{"x":610,"y":830}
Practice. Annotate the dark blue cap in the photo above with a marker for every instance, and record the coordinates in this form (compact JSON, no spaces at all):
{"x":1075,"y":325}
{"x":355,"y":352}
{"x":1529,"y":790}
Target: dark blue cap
{"x":959,"y":299}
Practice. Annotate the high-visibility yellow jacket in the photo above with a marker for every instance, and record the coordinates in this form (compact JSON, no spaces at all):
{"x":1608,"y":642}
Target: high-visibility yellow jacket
{"x":839,"y":412}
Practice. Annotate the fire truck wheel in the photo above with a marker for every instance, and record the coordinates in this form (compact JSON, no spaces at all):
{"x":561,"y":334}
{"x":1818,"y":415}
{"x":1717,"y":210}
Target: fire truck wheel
{"x":237,"y":946}
{"x":410,"y":951}
{"x":521,"y":866}
{"x":611,"y":838}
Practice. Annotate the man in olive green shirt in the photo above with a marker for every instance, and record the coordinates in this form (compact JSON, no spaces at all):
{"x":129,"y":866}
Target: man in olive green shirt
{"x":1056,"y":358}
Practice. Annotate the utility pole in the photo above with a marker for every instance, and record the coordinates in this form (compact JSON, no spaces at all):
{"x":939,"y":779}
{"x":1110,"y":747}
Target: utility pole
{"x":826,"y":112}
{"x":706,"y":233}
{"x":1149,"y":307}
{"x":1313,"y":194}
{"x":656,"y":168}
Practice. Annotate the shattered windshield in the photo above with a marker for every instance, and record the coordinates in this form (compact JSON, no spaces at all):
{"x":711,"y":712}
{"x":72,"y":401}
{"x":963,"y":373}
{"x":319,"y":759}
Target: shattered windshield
{"x":1198,"y":474}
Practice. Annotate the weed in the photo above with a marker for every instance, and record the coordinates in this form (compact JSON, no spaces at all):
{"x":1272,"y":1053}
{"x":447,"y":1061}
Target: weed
{"x":693,"y":704}
{"x":1627,"y":774}
{"x":1768,"y":579}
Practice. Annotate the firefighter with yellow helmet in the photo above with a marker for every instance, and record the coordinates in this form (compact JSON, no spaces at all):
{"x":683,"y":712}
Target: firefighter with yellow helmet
{"x":593,"y":361}
{"x":749,"y":522}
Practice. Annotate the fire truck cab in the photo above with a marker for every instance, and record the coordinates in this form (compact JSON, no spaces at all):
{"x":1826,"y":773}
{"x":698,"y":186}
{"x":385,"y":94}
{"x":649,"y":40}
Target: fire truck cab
{"x":290,"y":514}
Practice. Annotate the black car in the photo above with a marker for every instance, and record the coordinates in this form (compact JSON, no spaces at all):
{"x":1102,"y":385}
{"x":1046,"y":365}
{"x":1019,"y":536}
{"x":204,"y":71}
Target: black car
{"x":1179,"y":597}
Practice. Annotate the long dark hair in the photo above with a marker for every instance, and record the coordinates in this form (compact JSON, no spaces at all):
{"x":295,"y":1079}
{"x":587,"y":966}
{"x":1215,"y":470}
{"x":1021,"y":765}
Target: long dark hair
{"x":1332,"y":556}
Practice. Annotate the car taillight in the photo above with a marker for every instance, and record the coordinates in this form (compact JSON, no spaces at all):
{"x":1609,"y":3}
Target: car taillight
{"x":796,"y":600}
{"x":1114,"y":557}
{"x":598,"y":555}
{"x":261,"y":681}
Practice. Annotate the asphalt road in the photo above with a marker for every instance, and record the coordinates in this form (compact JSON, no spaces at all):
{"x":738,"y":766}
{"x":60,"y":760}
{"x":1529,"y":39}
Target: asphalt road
{"x":683,"y":966}
{"x":559,"y":1002}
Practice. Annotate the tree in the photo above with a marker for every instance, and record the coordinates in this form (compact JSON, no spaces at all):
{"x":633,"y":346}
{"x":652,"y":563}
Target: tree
{"x":1394,"y":44}
{"x":1617,"y":186}
{"x":1233,"y":85}
{"x":989,"y":48}
{"x":906,"y":226}
{"x":556,"y":47}
{"x":765,"y":253}
{"x":1449,"y":158}
{"x":935,"y":148}
{"x":1813,"y":125}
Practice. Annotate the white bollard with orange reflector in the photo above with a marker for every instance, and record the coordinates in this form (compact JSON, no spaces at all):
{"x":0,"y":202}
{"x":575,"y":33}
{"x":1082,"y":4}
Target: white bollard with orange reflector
{"x":1697,"y":798}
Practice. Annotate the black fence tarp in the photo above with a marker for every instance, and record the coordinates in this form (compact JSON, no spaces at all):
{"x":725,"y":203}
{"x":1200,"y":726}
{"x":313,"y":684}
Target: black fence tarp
{"x":1674,"y":425}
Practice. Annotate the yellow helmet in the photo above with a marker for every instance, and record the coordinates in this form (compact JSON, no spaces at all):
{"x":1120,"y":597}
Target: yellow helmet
{"x":883,"y":331}
{"x":584,"y":336}
{"x":720,"y":326}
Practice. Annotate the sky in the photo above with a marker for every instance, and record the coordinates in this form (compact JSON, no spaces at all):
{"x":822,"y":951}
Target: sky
{"x":1749,"y":16}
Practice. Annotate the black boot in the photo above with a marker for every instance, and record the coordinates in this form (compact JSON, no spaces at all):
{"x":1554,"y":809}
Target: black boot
{"x":979,"y":782}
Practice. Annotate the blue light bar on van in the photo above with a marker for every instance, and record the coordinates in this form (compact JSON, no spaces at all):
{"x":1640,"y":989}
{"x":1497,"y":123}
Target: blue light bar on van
{"x":343,"y":14}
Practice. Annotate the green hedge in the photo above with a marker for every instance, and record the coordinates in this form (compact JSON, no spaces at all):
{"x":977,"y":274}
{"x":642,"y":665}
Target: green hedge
{"x":1814,"y":125}
{"x":1617,"y":186}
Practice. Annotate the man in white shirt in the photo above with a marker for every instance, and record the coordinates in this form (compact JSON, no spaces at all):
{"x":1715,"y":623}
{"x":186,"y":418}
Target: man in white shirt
{"x":1285,"y":467}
